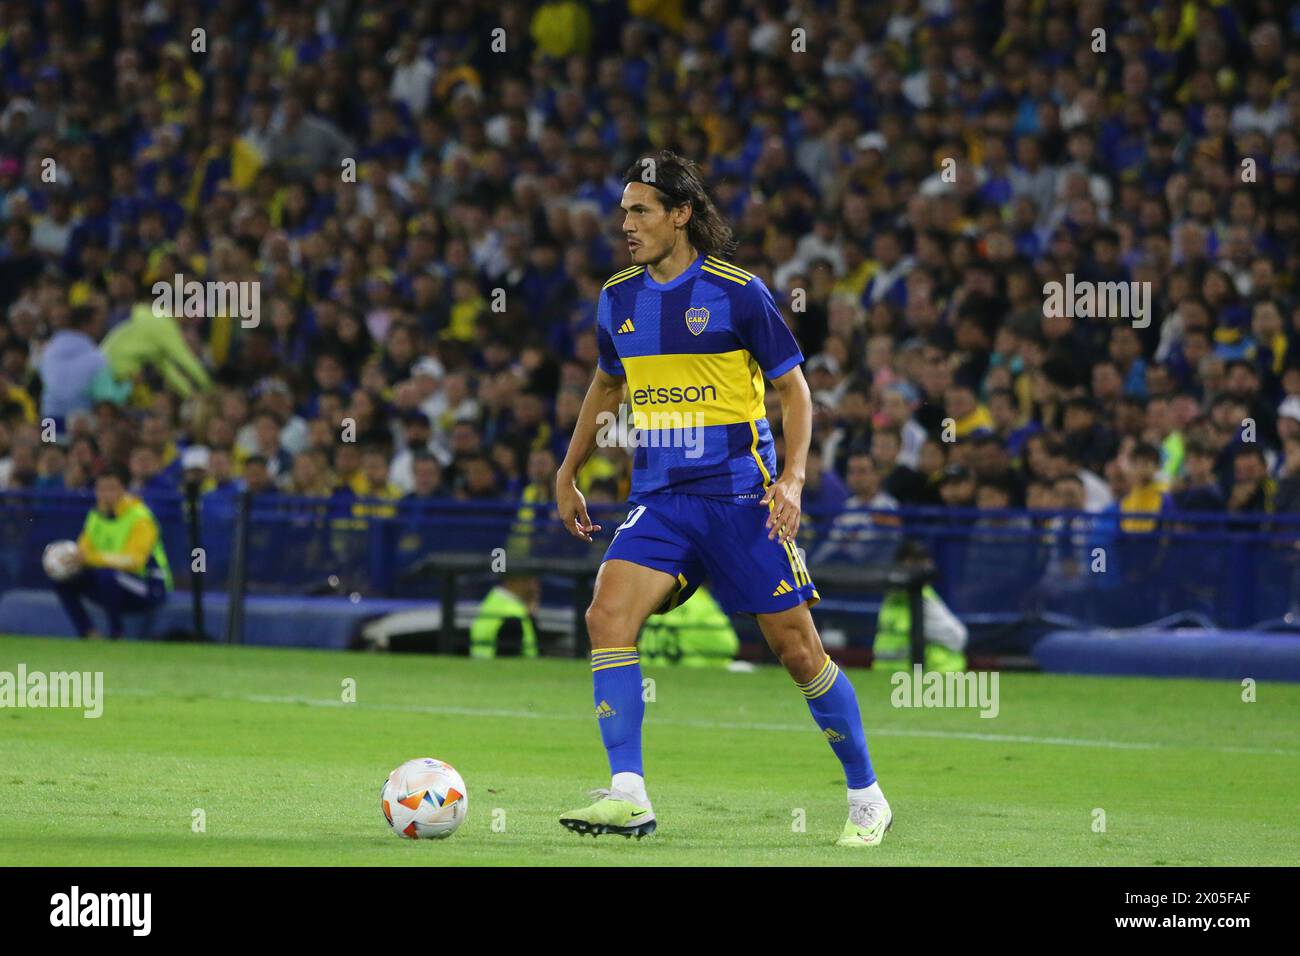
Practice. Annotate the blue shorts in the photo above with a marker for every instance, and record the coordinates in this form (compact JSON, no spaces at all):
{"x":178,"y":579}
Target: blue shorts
{"x":693,"y":537}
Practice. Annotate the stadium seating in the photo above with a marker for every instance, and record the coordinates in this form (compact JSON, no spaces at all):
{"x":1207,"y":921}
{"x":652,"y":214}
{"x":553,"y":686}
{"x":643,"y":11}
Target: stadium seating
{"x":915,"y":186}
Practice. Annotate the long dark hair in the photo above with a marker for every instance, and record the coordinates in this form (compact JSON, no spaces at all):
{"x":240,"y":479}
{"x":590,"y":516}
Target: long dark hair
{"x":678,"y":182}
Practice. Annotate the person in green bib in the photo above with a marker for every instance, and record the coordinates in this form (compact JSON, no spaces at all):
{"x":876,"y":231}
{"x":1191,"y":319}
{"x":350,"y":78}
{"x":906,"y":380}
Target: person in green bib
{"x":945,"y":634}
{"x":504,"y":624}
{"x":124,"y":568}
{"x":696,"y":633}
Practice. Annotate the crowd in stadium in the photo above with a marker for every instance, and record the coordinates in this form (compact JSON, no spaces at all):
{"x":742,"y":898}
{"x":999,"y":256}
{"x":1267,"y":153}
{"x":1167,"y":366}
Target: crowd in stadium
{"x":427,"y":326}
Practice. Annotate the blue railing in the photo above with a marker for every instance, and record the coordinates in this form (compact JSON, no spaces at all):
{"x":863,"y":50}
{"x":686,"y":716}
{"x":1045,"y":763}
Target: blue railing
{"x":1103,"y":569}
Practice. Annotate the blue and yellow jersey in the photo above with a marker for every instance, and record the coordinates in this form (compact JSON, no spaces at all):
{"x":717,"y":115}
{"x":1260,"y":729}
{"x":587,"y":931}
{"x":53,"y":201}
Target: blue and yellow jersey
{"x":694,"y":352}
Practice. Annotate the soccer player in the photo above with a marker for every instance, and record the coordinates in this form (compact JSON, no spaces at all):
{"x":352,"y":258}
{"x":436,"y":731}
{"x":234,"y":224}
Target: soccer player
{"x":693,"y":337}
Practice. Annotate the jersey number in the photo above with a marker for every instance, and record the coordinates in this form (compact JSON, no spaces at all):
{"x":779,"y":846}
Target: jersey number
{"x":632,"y":515}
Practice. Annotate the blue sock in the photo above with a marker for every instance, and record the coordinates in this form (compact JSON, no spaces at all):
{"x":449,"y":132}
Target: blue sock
{"x":616,"y":674}
{"x":834,"y":706}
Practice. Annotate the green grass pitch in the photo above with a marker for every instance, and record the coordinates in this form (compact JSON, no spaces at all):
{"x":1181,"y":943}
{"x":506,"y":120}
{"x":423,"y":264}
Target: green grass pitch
{"x":285,"y":772}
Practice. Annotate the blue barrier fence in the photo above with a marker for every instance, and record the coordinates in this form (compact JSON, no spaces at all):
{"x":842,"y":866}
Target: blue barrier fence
{"x":1096,"y":569}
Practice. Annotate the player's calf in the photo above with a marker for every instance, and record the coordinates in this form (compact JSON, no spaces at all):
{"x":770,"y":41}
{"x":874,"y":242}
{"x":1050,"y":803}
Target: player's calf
{"x":625,"y":595}
{"x":834,"y":706}
{"x":794,"y":640}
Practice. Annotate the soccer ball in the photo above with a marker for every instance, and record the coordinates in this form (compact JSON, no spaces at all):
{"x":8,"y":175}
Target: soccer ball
{"x":61,"y":560}
{"x":424,"y":799}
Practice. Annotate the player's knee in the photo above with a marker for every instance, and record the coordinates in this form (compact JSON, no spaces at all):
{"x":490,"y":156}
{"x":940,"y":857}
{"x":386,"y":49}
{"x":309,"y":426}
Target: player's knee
{"x":802,"y":663}
{"x":605,"y":628}
{"x":801,"y":658}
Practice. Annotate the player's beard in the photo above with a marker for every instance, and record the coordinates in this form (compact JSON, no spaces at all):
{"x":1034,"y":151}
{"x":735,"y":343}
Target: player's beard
{"x":643,"y":256}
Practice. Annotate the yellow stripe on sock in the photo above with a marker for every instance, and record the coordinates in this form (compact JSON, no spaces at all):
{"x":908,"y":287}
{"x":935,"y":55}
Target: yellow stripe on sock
{"x":822,"y":682}
{"x":605,"y":667}
{"x":607,"y":657}
{"x":823,"y":687}
{"x":825,"y":664}
{"x":825,"y":684}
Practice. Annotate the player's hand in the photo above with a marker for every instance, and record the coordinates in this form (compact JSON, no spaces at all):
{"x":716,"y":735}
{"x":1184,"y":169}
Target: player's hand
{"x":572,"y":509}
{"x":784,"y":505}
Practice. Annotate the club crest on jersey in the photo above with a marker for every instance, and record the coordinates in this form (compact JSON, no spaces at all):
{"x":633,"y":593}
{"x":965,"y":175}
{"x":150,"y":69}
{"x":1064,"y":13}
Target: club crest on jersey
{"x":697,"y":319}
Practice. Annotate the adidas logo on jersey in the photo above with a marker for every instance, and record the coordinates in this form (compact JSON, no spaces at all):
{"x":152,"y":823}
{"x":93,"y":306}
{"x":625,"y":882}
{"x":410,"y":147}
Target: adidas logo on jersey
{"x":782,"y":588}
{"x":627,"y":326}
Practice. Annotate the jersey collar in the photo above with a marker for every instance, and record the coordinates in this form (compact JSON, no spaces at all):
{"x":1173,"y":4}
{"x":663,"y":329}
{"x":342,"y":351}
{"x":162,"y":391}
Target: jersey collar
{"x":123,"y":505}
{"x":690,"y":272}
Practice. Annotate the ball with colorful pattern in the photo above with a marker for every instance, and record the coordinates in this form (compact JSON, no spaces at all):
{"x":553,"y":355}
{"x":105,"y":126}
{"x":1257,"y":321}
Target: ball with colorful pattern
{"x":424,"y":799}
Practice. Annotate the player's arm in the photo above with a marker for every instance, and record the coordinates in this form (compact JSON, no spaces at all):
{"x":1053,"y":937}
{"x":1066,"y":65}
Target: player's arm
{"x":602,"y":400}
{"x":134,"y":557}
{"x":84,"y":544}
{"x":86,"y":548}
{"x":770,"y":341}
{"x":785,"y":494}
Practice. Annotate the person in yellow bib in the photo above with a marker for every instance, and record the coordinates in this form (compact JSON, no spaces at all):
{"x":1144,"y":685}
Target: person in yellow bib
{"x":124,"y":568}
{"x":945,"y":634}
{"x":696,"y":633}
{"x":504,"y":624}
